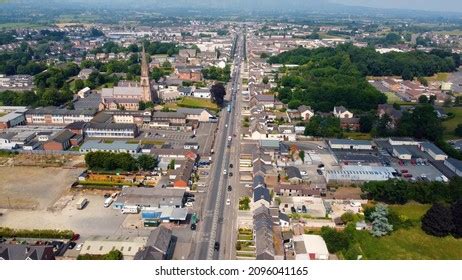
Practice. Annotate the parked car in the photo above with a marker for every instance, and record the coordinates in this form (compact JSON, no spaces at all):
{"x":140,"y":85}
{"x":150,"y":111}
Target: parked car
{"x":230,"y":165}
{"x":79,"y":247}
{"x":217,"y":246}
{"x":107,"y":195}
{"x":193,"y":226}
{"x":228,"y":202}
{"x":230,"y":188}
{"x":75,"y":237}
{"x":319,"y":171}
{"x":71,"y":245}
{"x":225,"y":172}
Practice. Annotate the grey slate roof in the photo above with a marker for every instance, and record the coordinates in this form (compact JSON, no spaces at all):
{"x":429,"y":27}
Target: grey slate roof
{"x":293,"y":172}
{"x":261,"y":193}
{"x":23,"y":252}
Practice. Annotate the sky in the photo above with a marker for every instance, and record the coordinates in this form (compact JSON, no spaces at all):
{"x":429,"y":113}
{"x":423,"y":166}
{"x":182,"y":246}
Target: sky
{"x":429,"y":5}
{"x":281,"y":5}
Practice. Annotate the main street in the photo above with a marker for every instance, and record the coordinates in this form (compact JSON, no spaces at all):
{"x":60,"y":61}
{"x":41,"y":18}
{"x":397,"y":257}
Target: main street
{"x":211,"y":226}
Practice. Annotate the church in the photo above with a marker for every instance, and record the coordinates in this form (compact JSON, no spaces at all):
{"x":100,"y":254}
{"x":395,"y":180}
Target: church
{"x":127,"y":95}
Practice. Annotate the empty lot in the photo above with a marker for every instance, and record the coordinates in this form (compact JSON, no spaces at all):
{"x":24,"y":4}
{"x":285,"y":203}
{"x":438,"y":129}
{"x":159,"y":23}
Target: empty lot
{"x":34,"y":187}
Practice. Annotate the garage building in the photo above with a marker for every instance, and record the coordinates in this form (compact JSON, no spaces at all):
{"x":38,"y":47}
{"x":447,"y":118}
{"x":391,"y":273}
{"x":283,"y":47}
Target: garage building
{"x":345,"y":144}
{"x":402,"y":152}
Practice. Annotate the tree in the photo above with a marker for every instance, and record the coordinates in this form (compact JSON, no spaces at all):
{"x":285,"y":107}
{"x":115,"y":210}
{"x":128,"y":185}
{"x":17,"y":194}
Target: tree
{"x":380,"y":224}
{"x":458,"y":130}
{"x":79,"y":84}
{"x":218,"y":92}
{"x":438,"y":221}
{"x":171,"y":165}
{"x":265,"y":80}
{"x":294,"y":104}
{"x":423,"y":99}
{"x":347,"y":217}
{"x":423,"y":81}
{"x":456,"y":211}
{"x":114,"y":255}
{"x":301,"y":155}
{"x":366,"y":123}
{"x":335,"y":241}
{"x":147,"y":162}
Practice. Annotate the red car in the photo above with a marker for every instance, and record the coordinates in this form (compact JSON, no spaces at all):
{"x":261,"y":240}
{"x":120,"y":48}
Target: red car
{"x":404,"y":171}
{"x":407,"y":175}
{"x":75,"y":237}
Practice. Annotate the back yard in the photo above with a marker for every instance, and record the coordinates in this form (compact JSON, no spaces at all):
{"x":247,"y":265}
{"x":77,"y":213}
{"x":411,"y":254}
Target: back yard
{"x":410,"y":243}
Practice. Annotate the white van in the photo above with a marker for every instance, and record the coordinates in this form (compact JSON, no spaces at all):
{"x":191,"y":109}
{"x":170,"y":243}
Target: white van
{"x":108,"y":202}
{"x":130,"y":210}
{"x":81,"y":203}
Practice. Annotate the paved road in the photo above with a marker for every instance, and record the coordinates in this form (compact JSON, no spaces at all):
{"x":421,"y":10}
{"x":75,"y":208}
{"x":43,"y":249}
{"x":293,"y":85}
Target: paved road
{"x":210,"y":228}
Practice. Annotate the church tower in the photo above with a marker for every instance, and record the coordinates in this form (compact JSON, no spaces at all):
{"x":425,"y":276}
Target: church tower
{"x":145,"y":84}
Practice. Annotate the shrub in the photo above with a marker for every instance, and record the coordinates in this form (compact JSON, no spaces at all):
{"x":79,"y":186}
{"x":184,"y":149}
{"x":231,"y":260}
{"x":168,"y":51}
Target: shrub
{"x":36,"y":233}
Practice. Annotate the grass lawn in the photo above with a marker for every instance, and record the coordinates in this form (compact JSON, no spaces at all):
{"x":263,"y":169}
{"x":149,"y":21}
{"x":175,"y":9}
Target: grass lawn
{"x":451,"y":124}
{"x":412,"y":210}
{"x":192,"y":102}
{"x":147,"y":142}
{"x":392,"y":98}
{"x":410,"y":243}
{"x":358,"y":135}
{"x":438,"y":77}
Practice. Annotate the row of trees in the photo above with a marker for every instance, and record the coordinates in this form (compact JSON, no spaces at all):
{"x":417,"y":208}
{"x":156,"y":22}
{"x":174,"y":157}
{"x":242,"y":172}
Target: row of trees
{"x":324,"y":80}
{"x":324,"y":127}
{"x":20,"y":61}
{"x":410,"y":124}
{"x":371,"y":63}
{"x":125,"y":162}
{"x":400,"y":192}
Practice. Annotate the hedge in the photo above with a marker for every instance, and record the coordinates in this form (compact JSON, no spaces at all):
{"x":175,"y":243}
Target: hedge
{"x":36,"y":233}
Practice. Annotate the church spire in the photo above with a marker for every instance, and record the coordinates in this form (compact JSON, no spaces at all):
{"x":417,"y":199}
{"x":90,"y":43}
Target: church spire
{"x":144,"y":64}
{"x":144,"y":80}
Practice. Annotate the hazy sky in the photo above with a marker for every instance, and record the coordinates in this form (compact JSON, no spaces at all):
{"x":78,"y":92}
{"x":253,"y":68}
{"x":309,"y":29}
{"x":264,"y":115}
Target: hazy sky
{"x":429,"y":5}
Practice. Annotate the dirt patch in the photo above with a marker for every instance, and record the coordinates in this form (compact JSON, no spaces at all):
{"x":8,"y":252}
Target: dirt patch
{"x":34,"y":187}
{"x":345,"y":193}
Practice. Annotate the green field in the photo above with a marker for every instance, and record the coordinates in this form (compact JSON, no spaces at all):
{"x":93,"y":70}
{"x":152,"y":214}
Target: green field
{"x":439,"y":77}
{"x":358,"y":135}
{"x":410,"y":243}
{"x":192,"y":102}
{"x":451,"y":124}
{"x":393,"y":98}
